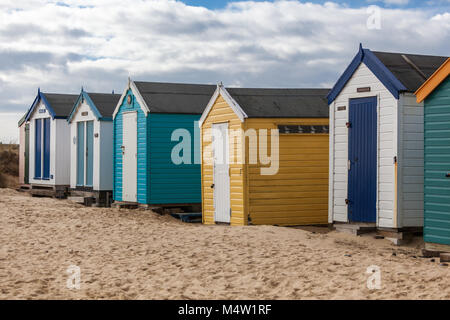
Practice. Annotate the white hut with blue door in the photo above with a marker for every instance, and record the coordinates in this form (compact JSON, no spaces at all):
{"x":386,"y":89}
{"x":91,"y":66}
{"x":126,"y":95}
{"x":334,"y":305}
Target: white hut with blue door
{"x":376,"y":142}
{"x":149,"y":121}
{"x":49,"y":167}
{"x":91,"y":146}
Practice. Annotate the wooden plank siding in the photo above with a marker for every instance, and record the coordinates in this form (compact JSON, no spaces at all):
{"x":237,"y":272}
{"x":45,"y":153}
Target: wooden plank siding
{"x":437,"y":165}
{"x":171,"y":183}
{"x":298,"y":193}
{"x":387,"y":146}
{"x":220,"y":113}
{"x":411,"y":155}
{"x":142,"y":159}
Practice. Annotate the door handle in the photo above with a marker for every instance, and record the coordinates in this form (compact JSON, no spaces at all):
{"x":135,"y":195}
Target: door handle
{"x":212,"y":186}
{"x":349,"y":165}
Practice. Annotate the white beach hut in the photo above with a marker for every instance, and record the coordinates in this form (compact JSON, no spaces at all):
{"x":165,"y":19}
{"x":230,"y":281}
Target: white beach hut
{"x":376,"y":143}
{"x":91,"y":146}
{"x":49,"y":167}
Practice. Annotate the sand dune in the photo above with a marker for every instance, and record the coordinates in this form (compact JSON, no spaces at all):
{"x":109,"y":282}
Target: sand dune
{"x":134,"y":254}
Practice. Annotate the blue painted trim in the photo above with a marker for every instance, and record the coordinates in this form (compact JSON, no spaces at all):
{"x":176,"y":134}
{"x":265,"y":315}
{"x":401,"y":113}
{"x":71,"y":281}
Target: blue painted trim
{"x":38,"y":149}
{"x":383,"y":73}
{"x":46,"y":148}
{"x":84,"y":95}
{"x":47,"y":104}
{"x":29,"y":110}
{"x":345,"y":77}
{"x":376,"y":66}
{"x":74,"y":108}
{"x":41,"y":96}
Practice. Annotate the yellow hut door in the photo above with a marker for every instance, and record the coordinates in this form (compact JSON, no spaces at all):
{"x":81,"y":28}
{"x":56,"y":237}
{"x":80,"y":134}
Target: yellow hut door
{"x":221,"y":176}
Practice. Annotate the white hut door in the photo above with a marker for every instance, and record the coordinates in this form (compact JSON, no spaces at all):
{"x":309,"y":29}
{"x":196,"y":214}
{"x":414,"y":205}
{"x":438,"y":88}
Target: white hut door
{"x":129,"y":157}
{"x":221,"y":175}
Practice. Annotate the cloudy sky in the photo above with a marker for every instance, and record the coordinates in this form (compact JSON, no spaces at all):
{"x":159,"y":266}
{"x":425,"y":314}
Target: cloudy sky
{"x":60,"y":46}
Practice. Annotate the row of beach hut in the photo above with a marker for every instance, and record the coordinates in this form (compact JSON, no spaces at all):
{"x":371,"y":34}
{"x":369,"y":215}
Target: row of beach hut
{"x":372,"y":153}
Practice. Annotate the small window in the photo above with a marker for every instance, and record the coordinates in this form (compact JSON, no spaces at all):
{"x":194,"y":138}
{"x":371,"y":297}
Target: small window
{"x":303,"y":129}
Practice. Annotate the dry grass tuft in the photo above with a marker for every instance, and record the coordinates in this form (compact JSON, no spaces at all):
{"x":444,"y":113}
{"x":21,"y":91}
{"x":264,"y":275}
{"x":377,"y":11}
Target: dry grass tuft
{"x":9,"y":165}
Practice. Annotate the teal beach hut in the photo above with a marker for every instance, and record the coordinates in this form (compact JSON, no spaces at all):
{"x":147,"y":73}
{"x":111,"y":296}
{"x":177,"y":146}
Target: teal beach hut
{"x":156,"y":143}
{"x":435,"y":93}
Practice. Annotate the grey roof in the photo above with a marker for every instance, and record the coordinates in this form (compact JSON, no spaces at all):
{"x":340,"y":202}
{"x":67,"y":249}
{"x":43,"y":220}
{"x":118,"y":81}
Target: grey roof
{"x":410,"y":69}
{"x":61,"y":104}
{"x":105,"y":103}
{"x":282,"y":103}
{"x":175,"y":97}
{"x":22,"y":120}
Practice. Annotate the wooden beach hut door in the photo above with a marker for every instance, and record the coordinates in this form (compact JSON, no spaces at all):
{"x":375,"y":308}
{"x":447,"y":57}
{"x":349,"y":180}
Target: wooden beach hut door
{"x":129,"y":157}
{"x":85,"y":153}
{"x":221,"y":175}
{"x":42,"y":149}
{"x":27,"y":154}
{"x":362,"y":160}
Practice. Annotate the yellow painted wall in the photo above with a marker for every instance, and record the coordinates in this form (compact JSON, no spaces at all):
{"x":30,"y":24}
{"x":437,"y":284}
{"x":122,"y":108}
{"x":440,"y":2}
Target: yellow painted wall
{"x":220,"y":113}
{"x":298,"y":193}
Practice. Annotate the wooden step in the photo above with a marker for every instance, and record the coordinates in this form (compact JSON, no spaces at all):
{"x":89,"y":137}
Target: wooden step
{"x":124,"y":205}
{"x":76,"y":199}
{"x":355,"y":229}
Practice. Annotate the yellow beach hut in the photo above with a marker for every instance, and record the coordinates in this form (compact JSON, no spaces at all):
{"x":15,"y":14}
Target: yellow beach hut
{"x":265,"y":157}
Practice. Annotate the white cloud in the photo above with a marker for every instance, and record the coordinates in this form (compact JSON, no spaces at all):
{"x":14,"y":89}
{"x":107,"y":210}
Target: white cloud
{"x":396,"y":2}
{"x":9,"y":132}
{"x":281,"y":44}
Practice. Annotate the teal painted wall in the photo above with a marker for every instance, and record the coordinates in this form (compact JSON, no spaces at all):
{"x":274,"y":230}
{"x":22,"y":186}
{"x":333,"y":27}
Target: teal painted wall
{"x":142,"y":160}
{"x":160,"y":181}
{"x":171,"y":183}
{"x":437,"y":165}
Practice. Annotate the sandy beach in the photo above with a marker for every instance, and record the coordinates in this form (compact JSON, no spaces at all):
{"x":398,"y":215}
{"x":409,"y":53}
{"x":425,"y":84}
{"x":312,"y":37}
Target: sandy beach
{"x":137,"y":254}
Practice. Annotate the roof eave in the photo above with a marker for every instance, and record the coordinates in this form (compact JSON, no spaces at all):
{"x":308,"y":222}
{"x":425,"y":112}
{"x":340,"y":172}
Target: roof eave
{"x":383,"y":74}
{"x":240,"y":113}
{"x":132,"y":86}
{"x":40,"y":96}
{"x":433,"y":82}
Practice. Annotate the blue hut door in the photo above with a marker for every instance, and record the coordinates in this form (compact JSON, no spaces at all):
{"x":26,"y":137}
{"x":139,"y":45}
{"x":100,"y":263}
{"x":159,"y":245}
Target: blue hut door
{"x":89,"y":153}
{"x":27,"y":153}
{"x":362,"y":160}
{"x":38,"y":149}
{"x":46,"y":149}
{"x":80,"y":154}
{"x":42,"y":149}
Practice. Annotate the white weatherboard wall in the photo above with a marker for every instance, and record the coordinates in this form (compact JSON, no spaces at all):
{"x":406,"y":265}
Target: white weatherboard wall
{"x":59,"y":149}
{"x":387,"y":150}
{"x":411,"y":161}
{"x":103,"y":149}
{"x":399,"y":134}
